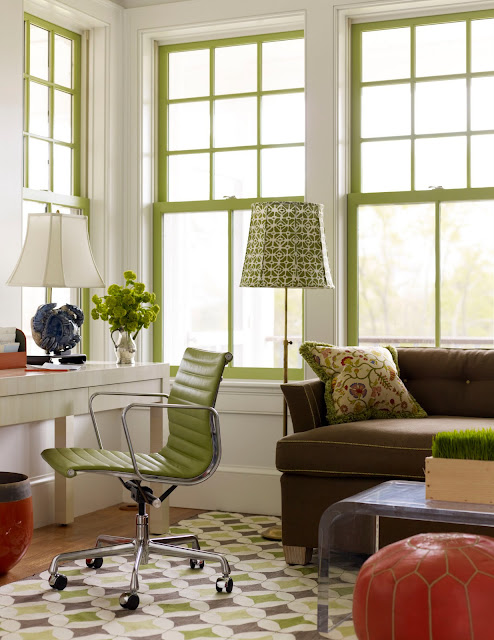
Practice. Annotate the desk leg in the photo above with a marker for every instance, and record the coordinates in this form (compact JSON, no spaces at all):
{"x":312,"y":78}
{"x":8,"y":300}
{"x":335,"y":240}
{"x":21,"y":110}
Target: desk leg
{"x":159,"y":519}
{"x":64,"y":487}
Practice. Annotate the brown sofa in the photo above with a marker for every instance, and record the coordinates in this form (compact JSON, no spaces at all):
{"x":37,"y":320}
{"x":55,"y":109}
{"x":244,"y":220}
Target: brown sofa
{"x":322,"y":463}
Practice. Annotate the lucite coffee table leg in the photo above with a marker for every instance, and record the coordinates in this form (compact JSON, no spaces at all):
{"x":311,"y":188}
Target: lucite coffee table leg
{"x":375,"y":540}
{"x":326,"y":529}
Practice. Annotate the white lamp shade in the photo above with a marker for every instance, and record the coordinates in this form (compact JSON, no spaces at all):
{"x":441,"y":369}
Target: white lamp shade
{"x":56,"y":253}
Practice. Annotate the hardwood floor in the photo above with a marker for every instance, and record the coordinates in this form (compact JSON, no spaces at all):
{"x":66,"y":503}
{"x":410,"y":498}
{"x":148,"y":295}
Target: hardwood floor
{"x":52,"y":539}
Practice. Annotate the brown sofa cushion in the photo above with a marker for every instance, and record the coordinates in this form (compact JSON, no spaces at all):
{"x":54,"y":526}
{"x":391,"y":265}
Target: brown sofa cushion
{"x":377,"y":448}
{"x":452,"y":382}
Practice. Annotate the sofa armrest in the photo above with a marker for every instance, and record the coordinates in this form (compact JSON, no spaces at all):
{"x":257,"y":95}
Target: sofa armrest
{"x":305,"y":400}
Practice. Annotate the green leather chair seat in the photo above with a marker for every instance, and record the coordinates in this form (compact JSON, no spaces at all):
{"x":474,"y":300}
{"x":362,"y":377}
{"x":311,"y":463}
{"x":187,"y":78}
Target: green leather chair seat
{"x":69,"y":461}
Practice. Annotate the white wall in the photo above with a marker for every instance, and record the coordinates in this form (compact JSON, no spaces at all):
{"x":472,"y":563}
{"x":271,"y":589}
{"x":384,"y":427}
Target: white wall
{"x":121,"y":136}
{"x":20,"y":445}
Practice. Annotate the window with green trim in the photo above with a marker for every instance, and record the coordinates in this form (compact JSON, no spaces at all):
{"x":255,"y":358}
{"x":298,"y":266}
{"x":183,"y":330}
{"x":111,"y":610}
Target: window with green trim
{"x":231,"y":132}
{"x":421,"y":207}
{"x":52,"y":139}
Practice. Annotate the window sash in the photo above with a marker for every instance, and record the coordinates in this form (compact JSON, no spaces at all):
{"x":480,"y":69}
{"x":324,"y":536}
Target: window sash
{"x":438,"y":196}
{"x":75,"y":92}
{"x":435,"y":196}
{"x":161,"y":209}
{"x":163,"y":206}
{"x":49,"y":198}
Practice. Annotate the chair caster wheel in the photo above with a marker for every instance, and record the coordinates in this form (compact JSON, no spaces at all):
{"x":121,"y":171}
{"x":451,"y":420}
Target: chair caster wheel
{"x":94,"y":563}
{"x":224,"y":583}
{"x":199,"y":564}
{"x":57,"y":581}
{"x":129,"y":601}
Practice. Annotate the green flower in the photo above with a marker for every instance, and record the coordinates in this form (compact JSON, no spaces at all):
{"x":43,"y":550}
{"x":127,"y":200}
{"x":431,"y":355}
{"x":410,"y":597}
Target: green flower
{"x":113,"y":289}
{"x":129,"y":275}
{"x":139,"y":287}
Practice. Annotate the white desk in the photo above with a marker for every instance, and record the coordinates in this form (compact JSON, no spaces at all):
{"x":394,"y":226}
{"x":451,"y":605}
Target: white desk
{"x":59,"y":396}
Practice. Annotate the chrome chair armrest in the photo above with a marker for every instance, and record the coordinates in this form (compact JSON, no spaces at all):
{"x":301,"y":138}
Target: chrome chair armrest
{"x":215,"y":421}
{"x":116,"y":393}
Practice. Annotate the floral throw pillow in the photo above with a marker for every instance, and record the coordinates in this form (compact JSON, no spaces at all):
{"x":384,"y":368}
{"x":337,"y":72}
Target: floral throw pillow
{"x":361,"y":383}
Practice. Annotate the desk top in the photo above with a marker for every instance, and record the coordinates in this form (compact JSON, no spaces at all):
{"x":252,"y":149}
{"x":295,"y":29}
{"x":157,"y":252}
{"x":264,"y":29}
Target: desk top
{"x":20,"y":381}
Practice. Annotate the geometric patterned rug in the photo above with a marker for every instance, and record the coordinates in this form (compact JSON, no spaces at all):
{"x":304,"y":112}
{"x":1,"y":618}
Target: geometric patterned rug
{"x":270,"y":600}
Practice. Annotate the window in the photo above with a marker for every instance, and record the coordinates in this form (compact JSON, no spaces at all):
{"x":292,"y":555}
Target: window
{"x":52,"y":139}
{"x":421,"y":208}
{"x":231,"y":132}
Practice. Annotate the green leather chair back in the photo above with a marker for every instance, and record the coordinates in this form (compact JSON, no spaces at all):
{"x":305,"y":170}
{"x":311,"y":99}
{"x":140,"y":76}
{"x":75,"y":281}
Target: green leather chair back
{"x":189,"y":449}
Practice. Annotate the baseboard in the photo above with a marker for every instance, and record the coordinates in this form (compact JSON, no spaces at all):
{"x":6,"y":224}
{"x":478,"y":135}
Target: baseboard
{"x":91,"y":493}
{"x":231,"y":488}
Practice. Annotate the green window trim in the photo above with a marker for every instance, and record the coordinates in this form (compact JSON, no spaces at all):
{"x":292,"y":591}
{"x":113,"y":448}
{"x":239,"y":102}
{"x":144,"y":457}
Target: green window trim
{"x":163,"y":206}
{"x":51,"y":199}
{"x":437,"y":196}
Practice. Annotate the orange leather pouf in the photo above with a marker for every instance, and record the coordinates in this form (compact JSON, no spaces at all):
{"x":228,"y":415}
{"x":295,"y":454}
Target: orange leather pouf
{"x":16,"y":518}
{"x":437,"y":586}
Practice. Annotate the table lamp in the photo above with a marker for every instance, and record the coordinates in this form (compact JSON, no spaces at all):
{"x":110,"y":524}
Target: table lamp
{"x":286,"y":248}
{"x":56,"y":253}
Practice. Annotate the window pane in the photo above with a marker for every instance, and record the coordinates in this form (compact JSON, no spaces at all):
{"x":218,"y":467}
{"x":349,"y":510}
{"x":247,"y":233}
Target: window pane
{"x":386,"y":166}
{"x":235,"y":122}
{"x":31,"y":299}
{"x":467,"y":274}
{"x":283,"y":65}
{"x":62,"y":120}
{"x":483,"y":45}
{"x":188,"y":177}
{"x":195,"y":300}
{"x":39,"y":120}
{"x":441,"y":106}
{"x":283,"y":118}
{"x":28,"y":207}
{"x":38,"y":59}
{"x":62,"y":169}
{"x":441,"y":49}
{"x":235,"y":174}
{"x":396,"y":272}
{"x":39,"y":164}
{"x":63,"y":61}
{"x":235,"y":69}
{"x":283,"y":172}
{"x":386,"y":111}
{"x":188,"y":74}
{"x":259,"y":313}
{"x":441,"y":162}
{"x":385,"y":54}
{"x":188,"y":126}
{"x":482,"y":103}
{"x":482,"y":161}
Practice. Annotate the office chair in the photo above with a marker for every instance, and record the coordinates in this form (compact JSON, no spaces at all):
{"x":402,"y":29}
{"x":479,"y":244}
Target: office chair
{"x":191,"y":455}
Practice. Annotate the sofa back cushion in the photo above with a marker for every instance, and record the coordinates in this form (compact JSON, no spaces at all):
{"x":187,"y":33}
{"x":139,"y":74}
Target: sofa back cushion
{"x":450,"y":382}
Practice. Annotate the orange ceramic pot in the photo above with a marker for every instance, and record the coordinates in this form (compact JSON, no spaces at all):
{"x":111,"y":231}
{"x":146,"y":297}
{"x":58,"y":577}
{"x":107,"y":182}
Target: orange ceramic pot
{"x":16,"y":518}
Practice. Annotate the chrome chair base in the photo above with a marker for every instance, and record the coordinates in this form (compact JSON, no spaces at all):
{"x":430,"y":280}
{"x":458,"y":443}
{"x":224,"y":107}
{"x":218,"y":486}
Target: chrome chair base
{"x":140,"y":547}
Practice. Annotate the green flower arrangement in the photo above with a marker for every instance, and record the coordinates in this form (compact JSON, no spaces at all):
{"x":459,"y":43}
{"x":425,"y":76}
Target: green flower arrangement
{"x":128,"y":308}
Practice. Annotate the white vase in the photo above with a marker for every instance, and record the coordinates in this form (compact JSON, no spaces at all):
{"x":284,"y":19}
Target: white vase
{"x":125,"y":347}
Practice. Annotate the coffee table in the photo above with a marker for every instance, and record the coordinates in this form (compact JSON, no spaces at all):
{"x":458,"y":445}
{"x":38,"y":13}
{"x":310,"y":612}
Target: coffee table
{"x":394,"y":499}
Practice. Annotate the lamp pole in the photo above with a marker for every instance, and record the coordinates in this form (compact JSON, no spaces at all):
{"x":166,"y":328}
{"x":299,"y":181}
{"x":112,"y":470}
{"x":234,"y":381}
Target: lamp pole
{"x":286,"y":342}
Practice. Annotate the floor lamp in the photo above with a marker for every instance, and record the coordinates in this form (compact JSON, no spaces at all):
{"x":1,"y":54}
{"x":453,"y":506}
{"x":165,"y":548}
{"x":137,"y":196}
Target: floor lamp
{"x":286,"y":248}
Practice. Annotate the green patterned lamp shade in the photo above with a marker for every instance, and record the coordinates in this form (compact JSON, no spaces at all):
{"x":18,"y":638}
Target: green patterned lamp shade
{"x":286,"y":247}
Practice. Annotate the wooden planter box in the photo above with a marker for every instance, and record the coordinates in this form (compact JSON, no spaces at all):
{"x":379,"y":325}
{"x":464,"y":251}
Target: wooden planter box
{"x":459,"y":480}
